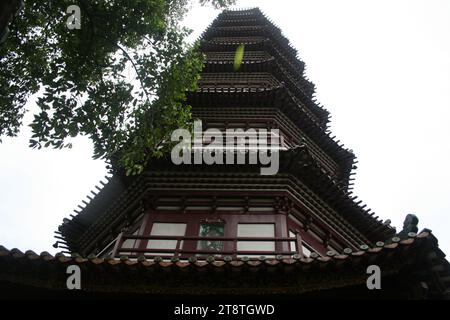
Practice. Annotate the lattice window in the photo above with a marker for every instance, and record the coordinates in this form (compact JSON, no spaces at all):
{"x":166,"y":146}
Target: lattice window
{"x":211,"y":229}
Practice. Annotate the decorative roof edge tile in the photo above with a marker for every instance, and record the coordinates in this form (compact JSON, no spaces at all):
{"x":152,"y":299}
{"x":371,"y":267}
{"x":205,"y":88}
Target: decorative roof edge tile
{"x":16,"y":254}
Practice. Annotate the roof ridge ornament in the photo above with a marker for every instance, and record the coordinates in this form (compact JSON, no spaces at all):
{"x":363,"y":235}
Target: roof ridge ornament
{"x":409,"y":226}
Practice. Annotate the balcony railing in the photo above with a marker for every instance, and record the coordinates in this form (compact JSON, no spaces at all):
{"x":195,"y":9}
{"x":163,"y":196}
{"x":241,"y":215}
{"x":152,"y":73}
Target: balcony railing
{"x":187,"y":246}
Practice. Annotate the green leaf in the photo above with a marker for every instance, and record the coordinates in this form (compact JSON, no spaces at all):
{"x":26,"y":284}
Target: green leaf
{"x":238,"y":57}
{"x":85,"y":78}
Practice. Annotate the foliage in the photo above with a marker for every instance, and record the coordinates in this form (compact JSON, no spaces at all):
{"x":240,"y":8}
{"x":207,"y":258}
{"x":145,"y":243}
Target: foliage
{"x":120,"y":79}
{"x":238,"y":57}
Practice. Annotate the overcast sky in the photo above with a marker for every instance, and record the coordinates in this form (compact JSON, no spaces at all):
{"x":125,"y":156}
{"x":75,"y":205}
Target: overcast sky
{"x":382,"y":68}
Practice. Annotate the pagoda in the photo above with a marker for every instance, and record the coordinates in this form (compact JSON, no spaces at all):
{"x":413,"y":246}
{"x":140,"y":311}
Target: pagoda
{"x":209,"y":229}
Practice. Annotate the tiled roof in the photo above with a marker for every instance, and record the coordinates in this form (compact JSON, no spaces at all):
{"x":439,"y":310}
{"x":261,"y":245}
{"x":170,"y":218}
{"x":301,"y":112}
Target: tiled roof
{"x":299,"y":274}
{"x":395,"y":245}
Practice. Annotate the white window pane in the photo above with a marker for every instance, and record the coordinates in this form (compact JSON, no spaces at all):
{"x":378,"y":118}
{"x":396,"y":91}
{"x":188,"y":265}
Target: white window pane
{"x":166,"y":229}
{"x":256,"y":230}
{"x":306,"y":251}
{"x":129,"y":244}
{"x":293,"y":244}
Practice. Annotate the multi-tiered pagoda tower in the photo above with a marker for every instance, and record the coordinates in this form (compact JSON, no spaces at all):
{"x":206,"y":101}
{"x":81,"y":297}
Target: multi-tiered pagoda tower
{"x":211,"y":229}
{"x":309,"y":198}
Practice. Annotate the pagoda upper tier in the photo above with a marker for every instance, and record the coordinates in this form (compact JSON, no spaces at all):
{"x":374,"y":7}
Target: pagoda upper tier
{"x":269,"y":90}
{"x":256,"y":28}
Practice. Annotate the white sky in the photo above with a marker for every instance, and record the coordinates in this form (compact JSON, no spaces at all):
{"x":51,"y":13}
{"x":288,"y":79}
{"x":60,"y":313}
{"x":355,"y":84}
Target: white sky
{"x":381,"y":67}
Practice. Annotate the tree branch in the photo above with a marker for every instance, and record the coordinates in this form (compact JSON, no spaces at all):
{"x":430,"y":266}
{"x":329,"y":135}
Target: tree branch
{"x":129,"y":59}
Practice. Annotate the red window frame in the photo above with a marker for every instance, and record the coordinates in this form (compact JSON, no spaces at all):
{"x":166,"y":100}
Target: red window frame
{"x":230,"y":219}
